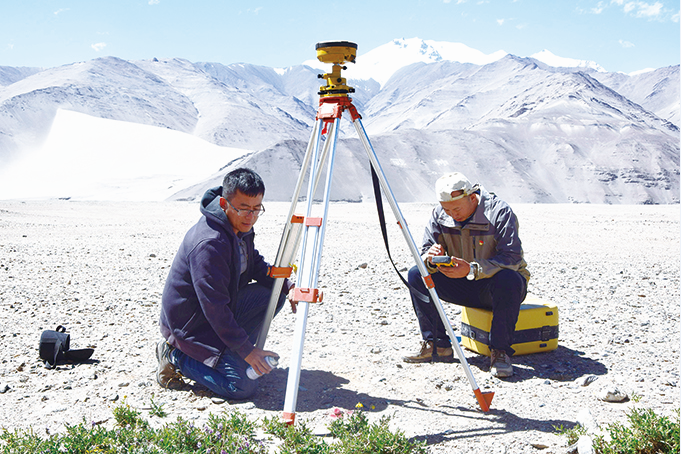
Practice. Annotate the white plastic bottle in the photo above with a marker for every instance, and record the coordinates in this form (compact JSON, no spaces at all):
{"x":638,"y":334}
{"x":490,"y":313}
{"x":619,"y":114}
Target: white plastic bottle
{"x":253,"y":375}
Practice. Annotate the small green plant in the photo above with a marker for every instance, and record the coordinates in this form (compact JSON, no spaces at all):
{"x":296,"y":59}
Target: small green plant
{"x":127,"y":417}
{"x":157,"y":409}
{"x":571,"y":434}
{"x":297,"y":439}
{"x":357,"y":435}
{"x":25,"y":441}
{"x":645,"y":433}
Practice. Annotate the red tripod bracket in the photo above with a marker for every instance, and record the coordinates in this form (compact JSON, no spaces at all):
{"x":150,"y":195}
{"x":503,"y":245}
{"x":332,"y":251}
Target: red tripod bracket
{"x":331,"y":108}
{"x":280,"y":271}
{"x":310,"y":295}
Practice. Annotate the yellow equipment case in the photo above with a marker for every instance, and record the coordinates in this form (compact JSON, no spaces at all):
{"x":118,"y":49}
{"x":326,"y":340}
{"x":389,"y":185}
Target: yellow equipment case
{"x":536,"y":329}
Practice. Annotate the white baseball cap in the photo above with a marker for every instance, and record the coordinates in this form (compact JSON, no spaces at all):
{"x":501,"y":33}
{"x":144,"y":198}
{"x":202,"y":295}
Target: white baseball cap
{"x":453,"y":182}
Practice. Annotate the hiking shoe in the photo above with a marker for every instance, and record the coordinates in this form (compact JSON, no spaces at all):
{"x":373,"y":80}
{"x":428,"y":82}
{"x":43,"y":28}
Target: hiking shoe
{"x":425,"y":354}
{"x":500,"y":364}
{"x":166,"y":374}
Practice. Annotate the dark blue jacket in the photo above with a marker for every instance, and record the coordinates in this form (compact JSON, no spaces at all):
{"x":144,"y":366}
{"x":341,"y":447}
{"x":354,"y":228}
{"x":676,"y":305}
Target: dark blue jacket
{"x":199,"y":298}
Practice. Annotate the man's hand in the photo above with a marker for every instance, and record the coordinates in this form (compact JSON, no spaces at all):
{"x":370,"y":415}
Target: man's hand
{"x":458,"y":269}
{"x":256,"y":359}
{"x":434,"y":250}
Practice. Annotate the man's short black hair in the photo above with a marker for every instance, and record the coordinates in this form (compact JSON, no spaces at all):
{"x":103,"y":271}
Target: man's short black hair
{"x":243,"y":180}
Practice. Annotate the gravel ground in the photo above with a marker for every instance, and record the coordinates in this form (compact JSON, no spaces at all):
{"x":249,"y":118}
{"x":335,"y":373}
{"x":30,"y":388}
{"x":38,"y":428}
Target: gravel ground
{"x":99,"y":268}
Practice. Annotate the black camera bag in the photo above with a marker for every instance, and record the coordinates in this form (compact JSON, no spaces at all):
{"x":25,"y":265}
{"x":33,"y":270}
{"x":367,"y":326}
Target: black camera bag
{"x":55,"y":346}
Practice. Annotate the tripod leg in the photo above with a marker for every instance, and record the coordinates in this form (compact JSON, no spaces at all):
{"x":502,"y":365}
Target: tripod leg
{"x":308,"y":269}
{"x":484,"y":399}
{"x":290,"y":238}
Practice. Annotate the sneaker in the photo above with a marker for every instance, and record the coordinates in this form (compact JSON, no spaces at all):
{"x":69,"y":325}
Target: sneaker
{"x":425,"y":355}
{"x":166,"y":374}
{"x":500,"y":364}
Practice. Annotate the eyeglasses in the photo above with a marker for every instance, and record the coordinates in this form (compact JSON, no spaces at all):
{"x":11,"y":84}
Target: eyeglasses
{"x":243,"y":212}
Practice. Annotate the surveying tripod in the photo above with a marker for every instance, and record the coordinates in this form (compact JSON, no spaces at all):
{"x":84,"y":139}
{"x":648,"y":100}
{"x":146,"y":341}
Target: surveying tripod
{"x":333,"y":101}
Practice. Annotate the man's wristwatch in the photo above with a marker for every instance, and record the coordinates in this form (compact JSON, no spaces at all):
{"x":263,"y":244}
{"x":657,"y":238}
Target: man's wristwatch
{"x":473,"y":271}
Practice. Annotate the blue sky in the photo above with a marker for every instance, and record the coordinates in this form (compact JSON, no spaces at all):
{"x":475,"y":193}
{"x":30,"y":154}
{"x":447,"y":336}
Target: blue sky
{"x":620,"y":35}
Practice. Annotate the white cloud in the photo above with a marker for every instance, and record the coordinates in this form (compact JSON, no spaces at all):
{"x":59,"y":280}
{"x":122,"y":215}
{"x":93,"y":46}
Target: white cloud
{"x":154,"y":2}
{"x":642,"y":9}
{"x":98,"y":46}
{"x":635,"y":8}
{"x":598,"y":9}
{"x":61,"y":10}
{"x":500,"y":21}
{"x":626,"y":44}
{"x":650,"y":10}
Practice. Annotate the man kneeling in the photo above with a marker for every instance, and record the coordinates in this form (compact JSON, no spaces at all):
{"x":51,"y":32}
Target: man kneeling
{"x":211,"y":312}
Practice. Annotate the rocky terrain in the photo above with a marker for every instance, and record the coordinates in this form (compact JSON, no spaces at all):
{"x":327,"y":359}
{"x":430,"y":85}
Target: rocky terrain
{"x":99,"y":268}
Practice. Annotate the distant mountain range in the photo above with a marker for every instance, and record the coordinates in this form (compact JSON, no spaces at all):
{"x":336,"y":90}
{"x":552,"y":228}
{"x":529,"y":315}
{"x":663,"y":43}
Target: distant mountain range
{"x":525,"y":128}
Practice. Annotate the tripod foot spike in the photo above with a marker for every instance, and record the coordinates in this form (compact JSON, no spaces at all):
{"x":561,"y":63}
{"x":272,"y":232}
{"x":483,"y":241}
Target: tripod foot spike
{"x":288,"y":418}
{"x":484,"y":399}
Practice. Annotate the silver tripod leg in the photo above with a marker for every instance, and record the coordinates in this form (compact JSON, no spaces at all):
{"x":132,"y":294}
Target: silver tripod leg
{"x":290,"y":239}
{"x":484,"y":399}
{"x":308,"y":267}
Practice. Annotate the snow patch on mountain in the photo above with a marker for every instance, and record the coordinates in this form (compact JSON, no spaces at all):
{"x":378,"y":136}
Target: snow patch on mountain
{"x":546,"y":56}
{"x":89,"y":158}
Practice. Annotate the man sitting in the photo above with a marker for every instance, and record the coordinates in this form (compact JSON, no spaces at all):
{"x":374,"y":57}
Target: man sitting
{"x":480,"y":232}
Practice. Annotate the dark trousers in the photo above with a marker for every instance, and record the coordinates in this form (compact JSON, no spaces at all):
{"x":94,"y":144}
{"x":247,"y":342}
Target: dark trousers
{"x":502,"y":294}
{"x":228,"y":378}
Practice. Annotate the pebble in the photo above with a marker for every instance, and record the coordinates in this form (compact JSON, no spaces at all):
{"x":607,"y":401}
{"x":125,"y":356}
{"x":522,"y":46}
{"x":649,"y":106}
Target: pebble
{"x":586,"y":380}
{"x":611,"y":393}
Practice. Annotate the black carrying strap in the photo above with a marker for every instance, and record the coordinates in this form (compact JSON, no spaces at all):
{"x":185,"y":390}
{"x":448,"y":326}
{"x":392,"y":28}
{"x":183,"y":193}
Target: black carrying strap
{"x":381,"y":218}
{"x":539,"y":334}
{"x":55,"y":346}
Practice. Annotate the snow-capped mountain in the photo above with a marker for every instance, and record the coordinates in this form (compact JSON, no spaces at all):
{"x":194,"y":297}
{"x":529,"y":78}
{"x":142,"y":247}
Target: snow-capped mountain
{"x":382,"y":62}
{"x":535,"y":129}
{"x":546,"y":56}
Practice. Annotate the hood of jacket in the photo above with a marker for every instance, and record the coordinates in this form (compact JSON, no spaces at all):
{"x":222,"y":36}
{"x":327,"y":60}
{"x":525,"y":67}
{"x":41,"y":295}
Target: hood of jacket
{"x":210,"y":207}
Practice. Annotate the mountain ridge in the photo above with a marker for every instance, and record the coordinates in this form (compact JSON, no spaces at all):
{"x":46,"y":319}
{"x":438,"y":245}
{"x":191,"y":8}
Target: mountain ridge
{"x":541,"y":130}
